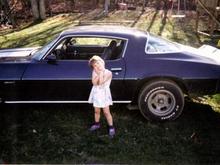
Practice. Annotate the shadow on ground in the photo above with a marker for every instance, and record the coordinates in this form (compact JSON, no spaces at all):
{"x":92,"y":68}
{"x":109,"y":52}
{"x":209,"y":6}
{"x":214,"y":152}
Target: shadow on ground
{"x":59,"y":134}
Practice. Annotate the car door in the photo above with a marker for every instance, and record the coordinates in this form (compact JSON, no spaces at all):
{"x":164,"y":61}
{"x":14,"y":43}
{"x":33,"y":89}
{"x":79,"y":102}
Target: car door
{"x":67,"y":81}
{"x":118,"y":88}
{"x":68,"y":78}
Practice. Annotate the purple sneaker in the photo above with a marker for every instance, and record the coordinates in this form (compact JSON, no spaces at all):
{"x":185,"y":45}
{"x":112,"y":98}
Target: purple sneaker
{"x":94,"y":127}
{"x":112,"y":132}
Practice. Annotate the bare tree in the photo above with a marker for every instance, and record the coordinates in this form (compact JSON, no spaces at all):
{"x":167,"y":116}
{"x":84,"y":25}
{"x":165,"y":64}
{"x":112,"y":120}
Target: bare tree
{"x":107,"y":3}
{"x":95,"y":3}
{"x":144,"y":5}
{"x":42,"y":11}
{"x":38,"y":9}
{"x":35,"y":11}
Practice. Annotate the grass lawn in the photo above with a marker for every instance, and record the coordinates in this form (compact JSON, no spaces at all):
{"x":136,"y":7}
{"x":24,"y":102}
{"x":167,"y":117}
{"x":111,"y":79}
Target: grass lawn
{"x":180,"y":30}
{"x":59,"y":133}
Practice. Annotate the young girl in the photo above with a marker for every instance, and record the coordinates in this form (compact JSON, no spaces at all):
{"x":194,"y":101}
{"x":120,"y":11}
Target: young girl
{"x":100,"y":94}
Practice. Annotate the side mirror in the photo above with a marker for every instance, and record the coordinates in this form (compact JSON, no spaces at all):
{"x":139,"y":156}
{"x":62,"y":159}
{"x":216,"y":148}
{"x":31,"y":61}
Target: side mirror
{"x":51,"y":59}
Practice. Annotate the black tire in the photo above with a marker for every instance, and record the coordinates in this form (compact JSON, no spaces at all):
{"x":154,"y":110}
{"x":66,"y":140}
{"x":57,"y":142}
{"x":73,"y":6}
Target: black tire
{"x":161,"y":100}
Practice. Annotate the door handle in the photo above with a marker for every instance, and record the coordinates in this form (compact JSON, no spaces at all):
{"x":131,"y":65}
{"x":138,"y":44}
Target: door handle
{"x":116,"y":69}
{"x":9,"y":82}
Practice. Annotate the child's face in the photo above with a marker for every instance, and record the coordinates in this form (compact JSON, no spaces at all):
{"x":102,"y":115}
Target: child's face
{"x":98,"y":66}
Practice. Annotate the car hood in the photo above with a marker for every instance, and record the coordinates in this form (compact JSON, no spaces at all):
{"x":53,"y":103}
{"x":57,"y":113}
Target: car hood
{"x":207,"y":52}
{"x":17,"y":54}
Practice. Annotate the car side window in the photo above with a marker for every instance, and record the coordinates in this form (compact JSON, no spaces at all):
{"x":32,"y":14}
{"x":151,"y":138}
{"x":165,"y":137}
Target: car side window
{"x":83,"y":48}
{"x":156,"y":45}
{"x":152,"y":47}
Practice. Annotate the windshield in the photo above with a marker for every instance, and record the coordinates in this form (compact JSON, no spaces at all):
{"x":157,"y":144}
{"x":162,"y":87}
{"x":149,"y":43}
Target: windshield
{"x":159,"y":45}
{"x":41,"y":52}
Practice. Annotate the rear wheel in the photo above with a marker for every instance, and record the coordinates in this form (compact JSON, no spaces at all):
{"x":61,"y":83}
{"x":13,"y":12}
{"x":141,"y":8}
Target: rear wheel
{"x":161,"y":100}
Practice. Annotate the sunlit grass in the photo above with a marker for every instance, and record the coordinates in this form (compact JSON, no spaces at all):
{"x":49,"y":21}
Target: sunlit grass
{"x":149,"y":20}
{"x":36,"y":34}
{"x":214,"y":101}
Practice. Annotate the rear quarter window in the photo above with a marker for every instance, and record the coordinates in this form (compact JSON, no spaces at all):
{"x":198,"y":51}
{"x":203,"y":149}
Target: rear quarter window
{"x":157,"y":45}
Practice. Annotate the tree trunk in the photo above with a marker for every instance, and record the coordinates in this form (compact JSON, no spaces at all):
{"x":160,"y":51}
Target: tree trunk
{"x":42,"y":11}
{"x":95,"y":3}
{"x":73,"y":4}
{"x":49,"y":7}
{"x":35,"y":11}
{"x":38,"y":9}
{"x":107,"y":3}
{"x":144,"y":5}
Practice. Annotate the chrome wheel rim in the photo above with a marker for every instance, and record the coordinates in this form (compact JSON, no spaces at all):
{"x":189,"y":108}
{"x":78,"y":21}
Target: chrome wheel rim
{"x":161,"y":102}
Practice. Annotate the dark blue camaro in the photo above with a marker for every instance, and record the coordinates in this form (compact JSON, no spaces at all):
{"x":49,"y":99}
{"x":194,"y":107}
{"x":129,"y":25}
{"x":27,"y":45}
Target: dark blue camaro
{"x":148,"y":71}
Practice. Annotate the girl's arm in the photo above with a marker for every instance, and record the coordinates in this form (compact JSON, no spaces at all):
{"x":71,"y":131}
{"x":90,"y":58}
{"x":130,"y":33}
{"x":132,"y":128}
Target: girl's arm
{"x":95,"y":78}
{"x":103,"y":77}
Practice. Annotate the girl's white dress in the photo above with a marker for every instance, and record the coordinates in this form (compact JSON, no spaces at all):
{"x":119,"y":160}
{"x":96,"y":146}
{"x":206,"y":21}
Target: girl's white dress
{"x":100,"y":95}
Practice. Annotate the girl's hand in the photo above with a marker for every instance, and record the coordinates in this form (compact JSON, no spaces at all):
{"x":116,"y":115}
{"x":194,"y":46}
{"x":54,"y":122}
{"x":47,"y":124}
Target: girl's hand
{"x":101,"y":73}
{"x":95,"y":78}
{"x":105,"y":76}
{"x":96,"y":70}
{"x":95,"y":73}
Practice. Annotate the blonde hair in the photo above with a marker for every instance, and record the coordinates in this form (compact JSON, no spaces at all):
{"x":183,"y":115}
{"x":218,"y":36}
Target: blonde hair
{"x":94,"y":59}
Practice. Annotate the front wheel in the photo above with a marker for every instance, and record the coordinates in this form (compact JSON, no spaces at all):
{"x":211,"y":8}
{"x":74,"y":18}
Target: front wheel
{"x":161,"y":100}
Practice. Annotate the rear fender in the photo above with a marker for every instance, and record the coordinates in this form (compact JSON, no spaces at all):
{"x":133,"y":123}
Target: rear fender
{"x":145,"y":81}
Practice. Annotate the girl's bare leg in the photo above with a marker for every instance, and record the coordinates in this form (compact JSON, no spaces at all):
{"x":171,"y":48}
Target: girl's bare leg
{"x":96,"y":125}
{"x":108,"y":115}
{"x":97,"y":114}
